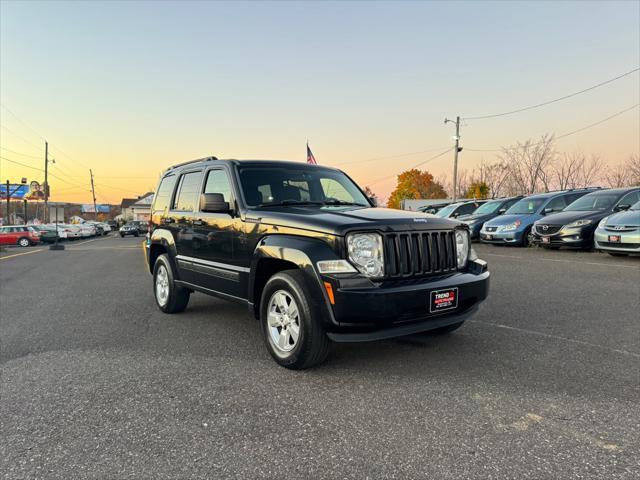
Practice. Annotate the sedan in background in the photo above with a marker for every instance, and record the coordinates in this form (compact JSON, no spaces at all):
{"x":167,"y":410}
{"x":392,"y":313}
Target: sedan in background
{"x":458,"y":209}
{"x":619,"y":233}
{"x":575,"y":225}
{"x":514,"y":227}
{"x":486,"y":212}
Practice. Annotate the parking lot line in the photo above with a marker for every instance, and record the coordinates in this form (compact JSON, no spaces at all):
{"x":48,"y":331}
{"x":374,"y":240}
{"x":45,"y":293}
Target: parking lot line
{"x":556,"y":337}
{"x":589,"y":263}
{"x":23,"y":253}
{"x":498,"y":255}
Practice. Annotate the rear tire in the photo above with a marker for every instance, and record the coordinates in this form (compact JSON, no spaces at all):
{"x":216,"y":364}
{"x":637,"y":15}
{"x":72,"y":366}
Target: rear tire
{"x":122,"y":235}
{"x":447,"y":329}
{"x":170,"y":298}
{"x":24,"y":242}
{"x":291,"y":325}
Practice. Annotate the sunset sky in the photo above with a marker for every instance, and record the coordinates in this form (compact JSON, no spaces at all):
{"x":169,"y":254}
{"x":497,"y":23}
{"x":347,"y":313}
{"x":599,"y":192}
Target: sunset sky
{"x":128,"y":89}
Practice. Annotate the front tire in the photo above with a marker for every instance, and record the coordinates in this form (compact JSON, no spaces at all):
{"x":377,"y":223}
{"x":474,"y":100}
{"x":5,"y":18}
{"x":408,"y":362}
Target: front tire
{"x":292,"y":327}
{"x":170,"y":298}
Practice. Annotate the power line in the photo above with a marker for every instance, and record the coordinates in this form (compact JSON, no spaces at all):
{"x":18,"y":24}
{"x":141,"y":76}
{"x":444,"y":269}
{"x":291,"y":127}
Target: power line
{"x":564,"y":134}
{"x":22,"y":121}
{"x":21,"y":138}
{"x":410,"y":168}
{"x":391,"y":156}
{"x":21,"y":164}
{"x":21,"y":154}
{"x":554,"y":100}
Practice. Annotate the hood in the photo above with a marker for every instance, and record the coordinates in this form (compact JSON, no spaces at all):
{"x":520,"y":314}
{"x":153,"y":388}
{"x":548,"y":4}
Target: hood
{"x":564,"y":218}
{"x":482,"y":217}
{"x":629,"y":218}
{"x":340,"y":220}
{"x":525,"y":219}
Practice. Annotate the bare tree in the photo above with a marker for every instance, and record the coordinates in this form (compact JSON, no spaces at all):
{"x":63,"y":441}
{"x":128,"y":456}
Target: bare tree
{"x":495,"y":175}
{"x":617,"y":176}
{"x":633,"y":167}
{"x":529,"y":164}
{"x":574,"y":170}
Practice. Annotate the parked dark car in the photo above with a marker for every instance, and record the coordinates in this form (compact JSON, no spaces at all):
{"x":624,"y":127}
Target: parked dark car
{"x":47,"y":233}
{"x":575,"y":225}
{"x":433,"y":209}
{"x":455,"y":210}
{"x":486,"y":212}
{"x":514,"y":227}
{"x":307,"y":252}
{"x":129,"y":229}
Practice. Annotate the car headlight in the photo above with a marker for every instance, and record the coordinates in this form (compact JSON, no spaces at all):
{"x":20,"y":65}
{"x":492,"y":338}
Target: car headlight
{"x":603,"y":222}
{"x":366,"y":253}
{"x":579,"y":223}
{"x":511,"y":226}
{"x":462,"y":247}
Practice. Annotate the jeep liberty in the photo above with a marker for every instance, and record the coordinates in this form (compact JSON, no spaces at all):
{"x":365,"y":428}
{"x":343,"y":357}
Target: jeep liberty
{"x":309,"y":254}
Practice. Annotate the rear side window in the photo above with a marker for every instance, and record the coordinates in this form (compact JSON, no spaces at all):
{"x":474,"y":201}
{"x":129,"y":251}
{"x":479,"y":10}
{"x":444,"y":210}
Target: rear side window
{"x":188,"y":192}
{"x":163,"y":195}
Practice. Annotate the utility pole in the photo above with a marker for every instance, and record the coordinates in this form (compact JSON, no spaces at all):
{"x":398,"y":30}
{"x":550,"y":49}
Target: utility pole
{"x":455,"y":156}
{"x":7,"y":221}
{"x":46,"y":180}
{"x":93,"y":192}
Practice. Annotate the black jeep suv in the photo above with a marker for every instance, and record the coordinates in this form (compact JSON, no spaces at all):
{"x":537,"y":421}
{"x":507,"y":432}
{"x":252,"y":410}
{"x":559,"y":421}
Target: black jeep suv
{"x":309,"y":254}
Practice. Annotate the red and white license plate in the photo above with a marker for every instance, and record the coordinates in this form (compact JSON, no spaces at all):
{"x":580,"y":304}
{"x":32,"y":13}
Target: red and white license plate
{"x":546,"y":240}
{"x":443,"y":300}
{"x":614,"y":238}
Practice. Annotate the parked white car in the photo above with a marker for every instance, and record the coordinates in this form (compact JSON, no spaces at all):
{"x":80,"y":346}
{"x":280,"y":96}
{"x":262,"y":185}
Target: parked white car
{"x":72,"y":231}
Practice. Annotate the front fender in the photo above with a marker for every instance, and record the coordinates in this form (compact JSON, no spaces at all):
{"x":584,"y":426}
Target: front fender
{"x":304,"y":253}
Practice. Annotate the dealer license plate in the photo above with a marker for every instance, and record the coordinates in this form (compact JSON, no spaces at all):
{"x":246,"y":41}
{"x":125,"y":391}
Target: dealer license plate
{"x":614,"y":238}
{"x":443,"y":300}
{"x":545,"y":239}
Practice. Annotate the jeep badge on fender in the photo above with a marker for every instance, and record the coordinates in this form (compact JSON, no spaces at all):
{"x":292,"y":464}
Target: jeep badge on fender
{"x":314,"y":261}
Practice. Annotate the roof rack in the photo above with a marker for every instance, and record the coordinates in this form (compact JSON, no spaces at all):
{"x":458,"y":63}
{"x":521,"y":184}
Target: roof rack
{"x":205,"y":159}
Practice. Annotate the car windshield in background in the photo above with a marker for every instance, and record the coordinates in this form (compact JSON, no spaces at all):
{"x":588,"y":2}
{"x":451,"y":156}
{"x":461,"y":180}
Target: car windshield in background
{"x":276,"y":186}
{"x":635,"y":206}
{"x":446,"y":211}
{"x":590,"y":203}
{"x":488,"y":207}
{"x":526,"y":206}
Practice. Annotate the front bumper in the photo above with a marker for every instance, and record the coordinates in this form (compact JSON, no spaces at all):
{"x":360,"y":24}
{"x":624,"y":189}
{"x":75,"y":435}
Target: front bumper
{"x":629,"y":241}
{"x":502,"y":238}
{"x":365,"y":311}
{"x":566,"y":237}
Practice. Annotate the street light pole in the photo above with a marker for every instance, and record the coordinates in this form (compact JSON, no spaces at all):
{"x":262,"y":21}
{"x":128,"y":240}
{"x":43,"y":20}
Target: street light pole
{"x":455,"y":156}
{"x":46,"y":180}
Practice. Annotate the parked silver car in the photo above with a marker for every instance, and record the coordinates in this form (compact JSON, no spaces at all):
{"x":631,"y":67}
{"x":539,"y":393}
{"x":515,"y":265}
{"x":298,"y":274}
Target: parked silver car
{"x":619,"y":234}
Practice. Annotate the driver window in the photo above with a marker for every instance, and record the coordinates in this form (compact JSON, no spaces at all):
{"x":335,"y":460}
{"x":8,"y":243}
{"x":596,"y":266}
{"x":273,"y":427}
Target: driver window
{"x":218,"y":182}
{"x":630,"y":198}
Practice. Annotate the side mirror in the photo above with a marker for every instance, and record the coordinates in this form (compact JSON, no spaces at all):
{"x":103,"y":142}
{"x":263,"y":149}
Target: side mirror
{"x":619,"y":208}
{"x":501,"y":211}
{"x":374,"y":201}
{"x":455,"y":215}
{"x":547,"y":211}
{"x":213,"y":203}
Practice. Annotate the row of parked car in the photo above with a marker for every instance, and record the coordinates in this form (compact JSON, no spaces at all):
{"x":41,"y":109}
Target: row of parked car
{"x":604,"y":219}
{"x":26,"y":235}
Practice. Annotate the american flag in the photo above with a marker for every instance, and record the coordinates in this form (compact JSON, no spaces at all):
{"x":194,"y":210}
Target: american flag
{"x":310,"y":158}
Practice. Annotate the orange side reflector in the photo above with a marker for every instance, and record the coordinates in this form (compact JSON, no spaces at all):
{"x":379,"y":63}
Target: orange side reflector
{"x":329,"y":289}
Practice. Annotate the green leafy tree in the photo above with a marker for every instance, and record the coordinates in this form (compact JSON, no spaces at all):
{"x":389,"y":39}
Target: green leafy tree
{"x":479,"y":190}
{"x":414,"y":184}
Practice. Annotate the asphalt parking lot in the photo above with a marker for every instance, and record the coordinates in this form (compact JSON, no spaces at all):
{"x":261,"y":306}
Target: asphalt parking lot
{"x":97,"y":383}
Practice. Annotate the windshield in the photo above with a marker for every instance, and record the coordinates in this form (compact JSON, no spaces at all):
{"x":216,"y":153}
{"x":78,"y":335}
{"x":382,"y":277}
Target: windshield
{"x":593,"y":202}
{"x":284,"y":185}
{"x":448,"y":210}
{"x":488,"y":207}
{"x":526,"y":206}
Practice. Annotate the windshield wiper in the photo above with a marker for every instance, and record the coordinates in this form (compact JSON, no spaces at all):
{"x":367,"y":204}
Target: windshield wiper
{"x":289,"y":202}
{"x":342,"y":202}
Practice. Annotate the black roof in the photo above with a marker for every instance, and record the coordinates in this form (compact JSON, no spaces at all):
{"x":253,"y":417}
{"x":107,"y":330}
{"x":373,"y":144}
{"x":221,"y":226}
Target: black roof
{"x":249,"y":162}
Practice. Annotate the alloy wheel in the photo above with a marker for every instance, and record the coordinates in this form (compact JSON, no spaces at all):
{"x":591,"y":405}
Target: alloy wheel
{"x":283,"y":318}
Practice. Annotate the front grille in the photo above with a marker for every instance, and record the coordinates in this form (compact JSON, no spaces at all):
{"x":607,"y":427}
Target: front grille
{"x":548,"y":229}
{"x":618,"y":228}
{"x":413,"y":254}
{"x":491,"y":229}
